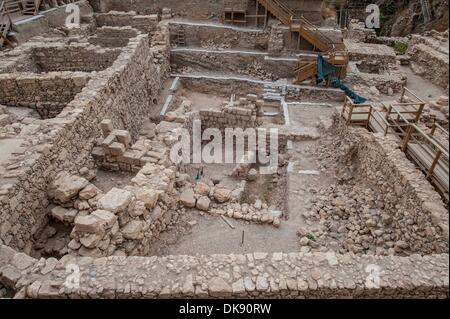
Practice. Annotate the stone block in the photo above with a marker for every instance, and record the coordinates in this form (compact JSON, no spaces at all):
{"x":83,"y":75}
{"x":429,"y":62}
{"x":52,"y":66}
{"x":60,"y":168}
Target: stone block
{"x":88,"y":224}
{"x":106,"y":127}
{"x":107,"y":217}
{"x":116,"y":149}
{"x":123,"y":137}
{"x":66,"y":186}
{"x":116,"y":200}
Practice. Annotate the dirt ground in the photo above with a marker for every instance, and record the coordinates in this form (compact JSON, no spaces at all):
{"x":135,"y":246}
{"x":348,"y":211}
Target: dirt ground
{"x":106,"y":180}
{"x":200,"y":101}
{"x":423,"y":88}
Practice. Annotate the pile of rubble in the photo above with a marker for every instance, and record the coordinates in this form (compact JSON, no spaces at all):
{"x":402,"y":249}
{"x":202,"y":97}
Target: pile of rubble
{"x":217,"y":199}
{"x":363,"y":212}
{"x":256,"y":69}
{"x":115,"y":152}
{"x":181,"y":114}
{"x":201,"y":194}
{"x":120,"y":222}
{"x":257,"y":212}
{"x":441,"y":105}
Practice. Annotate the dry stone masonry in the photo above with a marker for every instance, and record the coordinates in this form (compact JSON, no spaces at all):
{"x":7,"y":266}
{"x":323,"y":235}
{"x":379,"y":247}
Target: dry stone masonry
{"x":90,"y":117}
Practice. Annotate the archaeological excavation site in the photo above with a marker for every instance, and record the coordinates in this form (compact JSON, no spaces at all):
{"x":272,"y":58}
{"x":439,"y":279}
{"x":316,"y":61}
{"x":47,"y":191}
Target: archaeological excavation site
{"x":215,"y":149}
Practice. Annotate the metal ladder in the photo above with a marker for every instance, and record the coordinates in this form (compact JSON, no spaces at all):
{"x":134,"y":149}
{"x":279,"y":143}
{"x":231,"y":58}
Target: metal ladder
{"x":181,"y":38}
{"x":425,"y":4}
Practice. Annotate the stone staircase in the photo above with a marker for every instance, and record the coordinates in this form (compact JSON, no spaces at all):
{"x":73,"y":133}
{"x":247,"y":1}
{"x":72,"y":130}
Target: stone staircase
{"x":274,"y":91}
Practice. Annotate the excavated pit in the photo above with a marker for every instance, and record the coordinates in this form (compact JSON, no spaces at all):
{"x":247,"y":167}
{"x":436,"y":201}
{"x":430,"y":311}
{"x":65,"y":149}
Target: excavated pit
{"x":104,"y":184}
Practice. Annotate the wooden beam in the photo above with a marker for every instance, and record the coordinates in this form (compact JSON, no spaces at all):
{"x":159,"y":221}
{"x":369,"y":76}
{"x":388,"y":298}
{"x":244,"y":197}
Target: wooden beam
{"x":256,"y":14}
{"x":6,"y":40}
{"x":433,"y":166}
{"x":266,"y":17}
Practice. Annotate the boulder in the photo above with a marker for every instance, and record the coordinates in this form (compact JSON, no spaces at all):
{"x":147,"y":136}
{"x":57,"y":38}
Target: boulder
{"x":91,"y":240}
{"x":187,"y":198}
{"x":148,"y":196}
{"x":88,"y":224}
{"x":116,"y":200}
{"x":219,"y":287}
{"x":202,"y":189}
{"x":222,"y":195}
{"x":89,"y":192}
{"x":66,"y":186}
{"x":58,"y":213}
{"x":203,"y":203}
{"x":105,"y":216}
{"x":133,"y":230}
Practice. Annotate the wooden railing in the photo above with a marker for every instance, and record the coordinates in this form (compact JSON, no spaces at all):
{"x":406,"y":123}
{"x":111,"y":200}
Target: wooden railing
{"x":308,"y":30}
{"x":443,"y":132}
{"x":357,"y":114}
{"x":5,"y":24}
{"x":279,"y":10}
{"x":311,"y":33}
{"x":336,"y":55}
{"x":426,"y":150}
{"x":18,"y":8}
{"x":430,"y":156}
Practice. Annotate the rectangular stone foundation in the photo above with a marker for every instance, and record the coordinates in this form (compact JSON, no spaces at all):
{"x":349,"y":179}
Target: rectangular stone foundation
{"x":23,"y":198}
{"x":47,"y":93}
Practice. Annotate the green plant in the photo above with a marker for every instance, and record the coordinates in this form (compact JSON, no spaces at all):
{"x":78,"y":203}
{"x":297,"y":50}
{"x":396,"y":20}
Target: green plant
{"x":401,"y":47}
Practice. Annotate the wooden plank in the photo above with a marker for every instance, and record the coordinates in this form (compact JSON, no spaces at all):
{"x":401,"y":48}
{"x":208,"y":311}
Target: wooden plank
{"x":425,"y":161}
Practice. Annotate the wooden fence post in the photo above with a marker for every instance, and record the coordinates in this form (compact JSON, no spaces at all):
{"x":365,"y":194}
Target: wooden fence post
{"x":407,"y":138}
{"x":433,"y":166}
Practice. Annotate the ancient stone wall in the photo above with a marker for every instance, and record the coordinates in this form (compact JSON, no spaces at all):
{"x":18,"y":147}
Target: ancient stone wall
{"x":423,"y":223}
{"x":228,"y":117}
{"x":124,"y":221}
{"x":255,"y":275}
{"x":48,"y":93}
{"x":73,"y":58}
{"x":381,"y":78}
{"x":48,"y":19}
{"x":255,"y":64}
{"x":65,"y":143}
{"x":429,"y":60}
{"x":112,"y":37}
{"x":222,"y":86}
{"x":144,"y":23}
{"x":214,"y":36}
{"x":191,"y":8}
{"x":296,"y":92}
{"x":200,"y":8}
{"x":418,"y":219}
{"x":372,"y":53}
